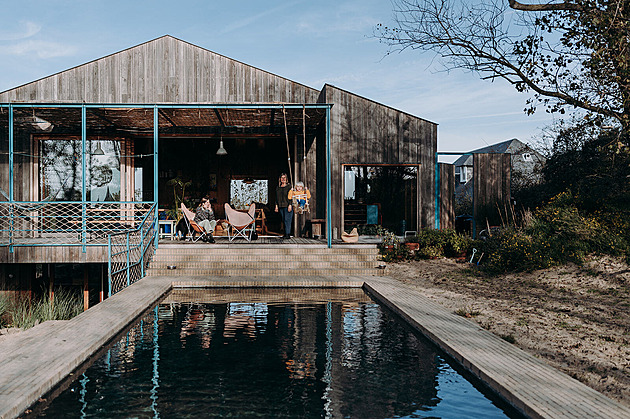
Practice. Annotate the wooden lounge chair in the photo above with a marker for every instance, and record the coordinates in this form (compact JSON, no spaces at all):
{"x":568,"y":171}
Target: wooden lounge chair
{"x":241,"y":224}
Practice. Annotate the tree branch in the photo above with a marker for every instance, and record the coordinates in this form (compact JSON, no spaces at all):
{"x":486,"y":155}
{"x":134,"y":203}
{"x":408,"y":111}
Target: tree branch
{"x":544,"y":7}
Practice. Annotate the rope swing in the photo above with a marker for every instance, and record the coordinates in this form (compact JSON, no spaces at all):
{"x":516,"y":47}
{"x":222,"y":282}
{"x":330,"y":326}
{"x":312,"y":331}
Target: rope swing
{"x":304,"y":141}
{"x":286,"y":136}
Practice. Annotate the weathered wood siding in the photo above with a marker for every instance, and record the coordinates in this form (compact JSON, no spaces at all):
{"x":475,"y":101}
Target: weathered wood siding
{"x":447,"y":195}
{"x":163,"y":70}
{"x":491,"y":186}
{"x":366,"y":132}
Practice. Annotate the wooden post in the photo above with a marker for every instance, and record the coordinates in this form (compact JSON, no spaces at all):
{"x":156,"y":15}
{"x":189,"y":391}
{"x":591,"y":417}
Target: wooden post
{"x":86,"y":289}
{"x":51,"y":282}
{"x":100,"y":294}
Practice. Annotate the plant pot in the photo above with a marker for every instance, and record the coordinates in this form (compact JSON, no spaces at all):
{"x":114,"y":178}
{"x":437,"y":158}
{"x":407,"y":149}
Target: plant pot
{"x":413,"y":246}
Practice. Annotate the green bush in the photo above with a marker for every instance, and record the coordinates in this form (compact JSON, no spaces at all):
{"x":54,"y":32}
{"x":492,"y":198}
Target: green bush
{"x":440,"y":243}
{"x":557,"y":233}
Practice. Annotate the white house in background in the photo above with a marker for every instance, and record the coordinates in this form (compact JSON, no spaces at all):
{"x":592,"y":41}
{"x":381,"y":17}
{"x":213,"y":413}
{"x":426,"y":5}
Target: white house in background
{"x":525,"y":160}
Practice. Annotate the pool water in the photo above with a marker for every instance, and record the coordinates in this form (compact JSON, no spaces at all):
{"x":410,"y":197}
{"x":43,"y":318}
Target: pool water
{"x":266,"y":358}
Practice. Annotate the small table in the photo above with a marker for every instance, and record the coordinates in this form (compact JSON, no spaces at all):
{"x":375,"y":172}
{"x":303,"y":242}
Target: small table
{"x":162,"y":229}
{"x":318,"y":225}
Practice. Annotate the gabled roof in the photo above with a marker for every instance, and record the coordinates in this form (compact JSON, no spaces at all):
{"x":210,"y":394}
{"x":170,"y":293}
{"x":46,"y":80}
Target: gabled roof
{"x":163,"y":70}
{"x":509,"y":146}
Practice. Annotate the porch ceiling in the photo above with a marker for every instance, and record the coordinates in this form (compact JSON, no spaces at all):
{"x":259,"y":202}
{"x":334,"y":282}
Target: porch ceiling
{"x":140,"y":120}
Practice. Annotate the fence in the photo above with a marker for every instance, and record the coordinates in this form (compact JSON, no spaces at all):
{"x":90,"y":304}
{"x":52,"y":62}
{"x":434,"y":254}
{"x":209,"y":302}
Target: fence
{"x":67,"y":223}
{"x":130,"y":252}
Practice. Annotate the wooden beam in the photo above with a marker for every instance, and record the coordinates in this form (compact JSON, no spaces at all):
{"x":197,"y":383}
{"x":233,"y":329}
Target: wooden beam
{"x":165,"y":116}
{"x":216,"y":112}
{"x":86,"y":288}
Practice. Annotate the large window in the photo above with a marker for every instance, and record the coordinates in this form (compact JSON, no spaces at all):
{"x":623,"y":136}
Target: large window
{"x":384,"y":195}
{"x":61,"y":174}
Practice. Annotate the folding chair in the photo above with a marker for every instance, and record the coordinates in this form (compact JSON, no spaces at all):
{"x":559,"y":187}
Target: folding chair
{"x":193,"y":228}
{"x":242,"y":223}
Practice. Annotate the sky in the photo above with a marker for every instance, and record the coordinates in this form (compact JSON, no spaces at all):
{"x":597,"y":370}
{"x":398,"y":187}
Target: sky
{"x":310,"y":42}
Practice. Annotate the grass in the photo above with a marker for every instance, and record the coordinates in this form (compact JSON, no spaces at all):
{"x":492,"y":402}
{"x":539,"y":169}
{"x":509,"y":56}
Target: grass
{"x":25,"y":313}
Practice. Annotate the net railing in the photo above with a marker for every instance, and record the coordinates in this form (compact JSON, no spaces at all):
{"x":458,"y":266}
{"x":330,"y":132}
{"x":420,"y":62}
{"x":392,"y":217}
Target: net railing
{"x":130,"y":252}
{"x":68,"y":223}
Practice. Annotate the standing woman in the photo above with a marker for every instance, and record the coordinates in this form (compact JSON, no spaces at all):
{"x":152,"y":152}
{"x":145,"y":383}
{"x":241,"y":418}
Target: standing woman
{"x":283,"y":205}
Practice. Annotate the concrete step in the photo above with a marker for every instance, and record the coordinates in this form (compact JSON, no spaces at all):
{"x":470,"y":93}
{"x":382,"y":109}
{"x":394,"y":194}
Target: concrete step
{"x":265,"y":260}
{"x":185,"y":272}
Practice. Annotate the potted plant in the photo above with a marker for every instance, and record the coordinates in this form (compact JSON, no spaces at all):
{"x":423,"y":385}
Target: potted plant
{"x":179,"y":192}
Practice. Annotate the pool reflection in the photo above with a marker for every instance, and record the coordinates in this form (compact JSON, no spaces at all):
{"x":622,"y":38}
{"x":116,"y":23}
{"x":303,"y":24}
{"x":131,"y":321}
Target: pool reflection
{"x":346,"y":358}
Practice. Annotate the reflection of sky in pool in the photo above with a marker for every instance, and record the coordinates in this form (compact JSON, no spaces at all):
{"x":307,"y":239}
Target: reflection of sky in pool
{"x":329,"y":359}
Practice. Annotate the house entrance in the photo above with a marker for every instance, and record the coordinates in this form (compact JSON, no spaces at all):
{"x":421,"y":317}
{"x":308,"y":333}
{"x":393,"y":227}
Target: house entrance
{"x":190,"y":169}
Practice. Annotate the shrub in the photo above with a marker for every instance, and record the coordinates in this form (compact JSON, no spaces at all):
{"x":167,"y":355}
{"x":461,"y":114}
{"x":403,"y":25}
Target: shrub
{"x":557,"y":233}
{"x":28,"y":312}
{"x":439,"y":243}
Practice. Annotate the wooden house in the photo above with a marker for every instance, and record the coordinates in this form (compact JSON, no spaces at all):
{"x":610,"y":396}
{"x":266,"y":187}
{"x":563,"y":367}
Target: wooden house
{"x":118,"y":137}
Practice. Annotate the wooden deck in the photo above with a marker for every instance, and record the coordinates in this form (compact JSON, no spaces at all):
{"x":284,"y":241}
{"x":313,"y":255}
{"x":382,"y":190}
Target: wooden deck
{"x":38,"y":359}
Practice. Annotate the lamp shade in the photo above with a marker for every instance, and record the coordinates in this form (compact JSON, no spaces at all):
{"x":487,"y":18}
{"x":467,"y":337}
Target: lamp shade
{"x":221,"y":151}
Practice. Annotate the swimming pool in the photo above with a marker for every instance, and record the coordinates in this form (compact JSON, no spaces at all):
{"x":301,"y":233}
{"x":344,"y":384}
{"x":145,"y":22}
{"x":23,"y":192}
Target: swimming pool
{"x":261,"y":353}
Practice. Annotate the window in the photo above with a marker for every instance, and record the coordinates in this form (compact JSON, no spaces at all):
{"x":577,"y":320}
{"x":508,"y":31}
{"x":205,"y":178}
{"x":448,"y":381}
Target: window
{"x":465,"y":173}
{"x":527,"y":157}
{"x":61,"y":173}
{"x":385,"y":195}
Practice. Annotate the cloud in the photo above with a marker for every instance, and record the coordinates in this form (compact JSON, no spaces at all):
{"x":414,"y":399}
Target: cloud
{"x":242,"y":23}
{"x":42,"y":49}
{"x":26,"y":30}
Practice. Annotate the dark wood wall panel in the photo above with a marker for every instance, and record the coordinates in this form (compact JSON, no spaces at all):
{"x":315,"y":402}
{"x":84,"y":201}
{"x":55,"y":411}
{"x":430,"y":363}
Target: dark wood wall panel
{"x":366,"y":132}
{"x":163,"y":70}
{"x":491,"y":187}
{"x":447,"y":195}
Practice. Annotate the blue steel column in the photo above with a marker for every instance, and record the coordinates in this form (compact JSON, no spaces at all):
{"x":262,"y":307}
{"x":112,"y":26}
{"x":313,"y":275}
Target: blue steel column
{"x":155,"y":174}
{"x":437,"y":192}
{"x":83,"y":167}
{"x":11,"y":178}
{"x":328,"y":182}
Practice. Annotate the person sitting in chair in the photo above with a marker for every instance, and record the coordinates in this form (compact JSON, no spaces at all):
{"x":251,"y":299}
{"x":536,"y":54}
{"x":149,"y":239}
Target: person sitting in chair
{"x":300,"y":197}
{"x":204,"y":216}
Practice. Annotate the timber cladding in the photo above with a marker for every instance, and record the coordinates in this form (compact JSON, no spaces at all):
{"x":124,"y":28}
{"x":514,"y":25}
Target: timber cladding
{"x":365,"y":132}
{"x":163,"y":70}
{"x":447,"y":195}
{"x":491,"y":188}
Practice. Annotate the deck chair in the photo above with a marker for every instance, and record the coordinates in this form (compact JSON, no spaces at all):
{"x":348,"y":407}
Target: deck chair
{"x":193,"y":228}
{"x":242,"y":223}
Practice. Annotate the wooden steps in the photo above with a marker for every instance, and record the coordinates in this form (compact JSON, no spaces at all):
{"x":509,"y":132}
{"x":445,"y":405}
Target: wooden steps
{"x":264,"y":260}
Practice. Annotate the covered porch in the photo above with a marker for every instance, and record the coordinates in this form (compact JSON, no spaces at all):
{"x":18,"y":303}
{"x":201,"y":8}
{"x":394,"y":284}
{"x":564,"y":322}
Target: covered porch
{"x":77,"y":175}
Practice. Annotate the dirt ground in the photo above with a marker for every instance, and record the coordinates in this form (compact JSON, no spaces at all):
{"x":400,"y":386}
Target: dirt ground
{"x":574,"y":318}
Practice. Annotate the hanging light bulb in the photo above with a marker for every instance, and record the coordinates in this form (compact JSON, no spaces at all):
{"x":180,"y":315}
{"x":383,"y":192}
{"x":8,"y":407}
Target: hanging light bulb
{"x":221,"y":151}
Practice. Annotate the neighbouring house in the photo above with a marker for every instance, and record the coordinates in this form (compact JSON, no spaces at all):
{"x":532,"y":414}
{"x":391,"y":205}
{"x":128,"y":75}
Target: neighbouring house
{"x":525,"y":162}
{"x":96,"y":149}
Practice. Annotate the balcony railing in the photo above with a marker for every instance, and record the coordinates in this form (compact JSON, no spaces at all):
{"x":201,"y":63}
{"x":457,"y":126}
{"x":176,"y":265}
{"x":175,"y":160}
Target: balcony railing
{"x":68,"y":223}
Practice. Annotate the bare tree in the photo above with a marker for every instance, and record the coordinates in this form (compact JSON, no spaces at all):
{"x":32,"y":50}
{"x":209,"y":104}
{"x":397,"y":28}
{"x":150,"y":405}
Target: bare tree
{"x":573,"y":54}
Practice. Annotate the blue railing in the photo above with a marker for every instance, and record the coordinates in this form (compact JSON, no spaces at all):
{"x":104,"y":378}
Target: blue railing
{"x":67,"y":223}
{"x":129,"y":252}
